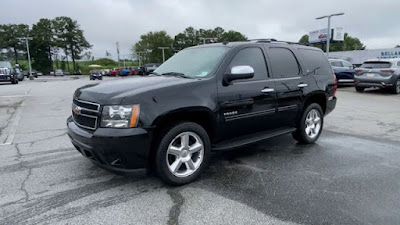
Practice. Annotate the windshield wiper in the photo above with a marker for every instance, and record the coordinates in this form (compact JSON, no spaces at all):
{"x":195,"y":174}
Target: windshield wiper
{"x":176,"y":74}
{"x":157,"y":74}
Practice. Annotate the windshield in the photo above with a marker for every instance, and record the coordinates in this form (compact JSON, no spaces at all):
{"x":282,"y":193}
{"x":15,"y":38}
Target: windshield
{"x":376,"y":65}
{"x":5,"y":64}
{"x":194,"y":62}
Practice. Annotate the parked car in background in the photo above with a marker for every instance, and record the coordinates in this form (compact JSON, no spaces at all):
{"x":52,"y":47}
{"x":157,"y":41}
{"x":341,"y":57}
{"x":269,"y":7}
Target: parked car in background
{"x":125,"y":72}
{"x":383,"y":74}
{"x":34,"y":73}
{"x":77,"y":72}
{"x":19,"y":73}
{"x":96,"y":74}
{"x":150,"y":67}
{"x":67,"y":73}
{"x":134,"y":70}
{"x":113,"y":72}
{"x":58,"y":73}
{"x":344,"y":71}
{"x":7,"y":73}
{"x":227,"y":99}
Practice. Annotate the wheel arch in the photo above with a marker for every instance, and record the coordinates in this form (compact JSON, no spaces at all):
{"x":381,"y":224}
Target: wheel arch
{"x":318,"y":97}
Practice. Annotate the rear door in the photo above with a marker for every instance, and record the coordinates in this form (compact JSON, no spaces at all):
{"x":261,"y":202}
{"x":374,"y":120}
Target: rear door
{"x":290,"y":84}
{"x":248,"y":106}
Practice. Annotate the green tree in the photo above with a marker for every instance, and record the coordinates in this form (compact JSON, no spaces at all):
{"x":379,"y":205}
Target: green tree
{"x":9,"y":34}
{"x":349,"y":43}
{"x":191,"y":37}
{"x":41,"y":45}
{"x":150,"y":43}
{"x":232,"y":36}
{"x":70,"y":38}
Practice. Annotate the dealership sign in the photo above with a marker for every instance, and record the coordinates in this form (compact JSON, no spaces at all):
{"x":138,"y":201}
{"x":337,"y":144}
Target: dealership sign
{"x":321,"y":36}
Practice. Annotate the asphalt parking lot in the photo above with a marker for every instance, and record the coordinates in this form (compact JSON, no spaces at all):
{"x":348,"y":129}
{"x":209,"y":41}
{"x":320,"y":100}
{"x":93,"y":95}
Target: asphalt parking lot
{"x":350,"y":176}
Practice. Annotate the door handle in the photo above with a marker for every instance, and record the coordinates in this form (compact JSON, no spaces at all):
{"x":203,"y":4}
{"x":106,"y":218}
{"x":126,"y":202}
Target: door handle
{"x":267,"y":90}
{"x":302,"y":85}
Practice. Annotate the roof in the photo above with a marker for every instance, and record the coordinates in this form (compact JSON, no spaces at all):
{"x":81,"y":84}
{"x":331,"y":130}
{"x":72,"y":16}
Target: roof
{"x":254,"y":41}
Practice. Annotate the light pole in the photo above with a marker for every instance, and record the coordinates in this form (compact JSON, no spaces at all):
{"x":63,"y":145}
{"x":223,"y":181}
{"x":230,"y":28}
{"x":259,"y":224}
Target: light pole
{"x":117,"y":44}
{"x":29,"y":56}
{"x":163,"y":55}
{"x":138,"y":54}
{"x":329,"y":29}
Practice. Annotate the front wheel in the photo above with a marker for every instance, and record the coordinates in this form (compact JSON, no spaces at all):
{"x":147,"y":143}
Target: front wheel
{"x":309,"y":127}
{"x":183,"y":153}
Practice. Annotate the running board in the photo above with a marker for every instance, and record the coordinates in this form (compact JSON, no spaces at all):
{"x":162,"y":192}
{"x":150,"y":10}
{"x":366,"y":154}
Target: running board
{"x":249,"y":139}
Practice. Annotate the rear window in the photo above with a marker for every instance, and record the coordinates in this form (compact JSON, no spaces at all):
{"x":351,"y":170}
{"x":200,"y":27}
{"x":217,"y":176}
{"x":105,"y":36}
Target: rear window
{"x":315,"y":62}
{"x":283,"y":63}
{"x":378,"y":65}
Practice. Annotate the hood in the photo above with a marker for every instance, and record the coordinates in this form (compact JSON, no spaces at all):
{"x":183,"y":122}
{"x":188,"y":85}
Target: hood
{"x":113,"y":92}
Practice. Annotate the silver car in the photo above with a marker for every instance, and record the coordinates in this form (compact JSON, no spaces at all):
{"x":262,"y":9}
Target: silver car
{"x":58,"y":73}
{"x":383,"y":73}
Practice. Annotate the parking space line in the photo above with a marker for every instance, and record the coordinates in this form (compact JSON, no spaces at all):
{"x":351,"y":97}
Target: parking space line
{"x":16,"y":119}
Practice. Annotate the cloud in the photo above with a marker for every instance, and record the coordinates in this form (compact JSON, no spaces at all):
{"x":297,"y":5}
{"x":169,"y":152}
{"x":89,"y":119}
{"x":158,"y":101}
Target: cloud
{"x":108,"y":21}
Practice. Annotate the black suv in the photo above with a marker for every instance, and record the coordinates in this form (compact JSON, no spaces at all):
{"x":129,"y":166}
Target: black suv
{"x":210,"y":97}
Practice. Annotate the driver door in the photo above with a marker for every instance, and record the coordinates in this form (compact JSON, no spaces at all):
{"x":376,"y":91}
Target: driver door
{"x":248,"y":106}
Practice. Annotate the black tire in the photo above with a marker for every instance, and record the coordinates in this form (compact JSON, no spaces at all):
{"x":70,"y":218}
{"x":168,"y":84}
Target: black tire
{"x":396,"y":87}
{"x":300,"y":134}
{"x":360,"y":89}
{"x":166,"y":137}
{"x":14,"y":81}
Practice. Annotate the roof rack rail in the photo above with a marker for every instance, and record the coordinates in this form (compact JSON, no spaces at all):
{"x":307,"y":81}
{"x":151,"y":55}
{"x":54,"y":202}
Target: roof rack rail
{"x":270,"y":40}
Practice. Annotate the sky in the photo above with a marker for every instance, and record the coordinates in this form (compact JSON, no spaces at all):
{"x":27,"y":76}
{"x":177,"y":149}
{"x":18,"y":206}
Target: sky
{"x":375,"y":23}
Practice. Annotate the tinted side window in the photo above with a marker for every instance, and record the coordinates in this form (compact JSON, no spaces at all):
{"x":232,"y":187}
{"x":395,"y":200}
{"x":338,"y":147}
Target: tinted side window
{"x":346,"y":64}
{"x":253,"y":57}
{"x":336,"y":63}
{"x":283,"y":63}
{"x":315,"y":62}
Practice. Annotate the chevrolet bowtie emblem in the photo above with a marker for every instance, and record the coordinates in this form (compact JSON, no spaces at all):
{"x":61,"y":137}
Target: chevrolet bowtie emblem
{"x":77,"y":110}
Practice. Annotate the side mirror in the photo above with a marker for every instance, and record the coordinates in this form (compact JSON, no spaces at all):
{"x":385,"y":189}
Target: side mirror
{"x":239,"y":73}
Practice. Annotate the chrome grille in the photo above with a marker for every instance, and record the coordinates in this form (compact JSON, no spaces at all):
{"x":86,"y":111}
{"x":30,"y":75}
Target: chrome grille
{"x":85,"y":114}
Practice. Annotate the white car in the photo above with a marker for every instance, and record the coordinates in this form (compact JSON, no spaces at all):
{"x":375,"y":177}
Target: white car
{"x":58,"y":73}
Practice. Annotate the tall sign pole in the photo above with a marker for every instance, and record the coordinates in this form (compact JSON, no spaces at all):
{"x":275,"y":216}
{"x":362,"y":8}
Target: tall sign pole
{"x":26,"y":39}
{"x":329,"y":29}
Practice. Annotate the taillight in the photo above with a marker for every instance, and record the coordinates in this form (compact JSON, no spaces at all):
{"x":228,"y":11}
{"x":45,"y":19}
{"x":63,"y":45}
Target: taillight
{"x":387,"y":71}
{"x":334,"y":85}
{"x":358,"y":71}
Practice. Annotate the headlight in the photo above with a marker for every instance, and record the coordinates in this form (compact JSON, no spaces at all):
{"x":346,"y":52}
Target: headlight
{"x":120,"y":116}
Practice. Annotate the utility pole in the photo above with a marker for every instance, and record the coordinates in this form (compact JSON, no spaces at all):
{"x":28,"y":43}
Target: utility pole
{"x":163,"y":55}
{"x":329,"y":29}
{"x":208,"y":39}
{"x":26,"y":39}
{"x":117,"y":43}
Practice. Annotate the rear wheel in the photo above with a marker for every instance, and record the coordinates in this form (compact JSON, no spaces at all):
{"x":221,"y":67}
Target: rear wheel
{"x":360,"y":89}
{"x":183,"y":153}
{"x":310,"y":125}
{"x":396,"y":87}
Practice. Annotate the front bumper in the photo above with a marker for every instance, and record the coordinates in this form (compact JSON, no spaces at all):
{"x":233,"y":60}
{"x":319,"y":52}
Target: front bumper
{"x":118,"y":150}
{"x":5,"y":78}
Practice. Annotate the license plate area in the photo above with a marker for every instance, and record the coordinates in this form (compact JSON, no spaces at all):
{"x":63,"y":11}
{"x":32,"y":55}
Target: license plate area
{"x":370,"y":75}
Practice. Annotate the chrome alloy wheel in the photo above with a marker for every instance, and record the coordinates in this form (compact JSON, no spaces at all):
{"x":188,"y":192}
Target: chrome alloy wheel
{"x":398,"y":86}
{"x":313,"y":123}
{"x":185,"y":154}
